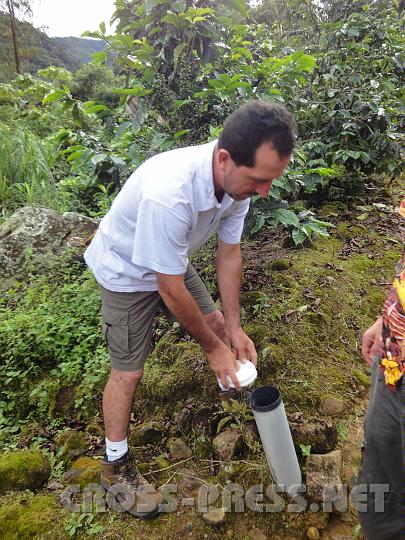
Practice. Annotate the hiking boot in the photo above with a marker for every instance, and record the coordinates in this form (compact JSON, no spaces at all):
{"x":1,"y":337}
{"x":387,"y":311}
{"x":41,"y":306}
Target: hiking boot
{"x":127,"y":489}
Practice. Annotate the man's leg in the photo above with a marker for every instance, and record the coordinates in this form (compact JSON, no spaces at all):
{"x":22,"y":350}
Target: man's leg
{"x":117,"y":401}
{"x":127,"y":327}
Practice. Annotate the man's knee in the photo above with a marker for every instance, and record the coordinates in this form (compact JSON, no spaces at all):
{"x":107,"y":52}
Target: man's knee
{"x":128,"y":378}
{"x":216,"y":322}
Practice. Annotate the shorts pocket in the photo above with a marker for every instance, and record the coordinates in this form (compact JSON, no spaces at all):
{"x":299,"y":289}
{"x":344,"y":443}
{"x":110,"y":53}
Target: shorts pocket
{"x":116,"y":336}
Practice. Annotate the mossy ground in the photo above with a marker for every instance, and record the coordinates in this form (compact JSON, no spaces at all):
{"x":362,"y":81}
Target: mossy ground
{"x":306,"y":316}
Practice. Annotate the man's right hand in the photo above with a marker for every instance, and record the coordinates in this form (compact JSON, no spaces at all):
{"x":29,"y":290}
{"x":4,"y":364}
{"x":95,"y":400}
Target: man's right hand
{"x":372,"y":341}
{"x":223,"y":363}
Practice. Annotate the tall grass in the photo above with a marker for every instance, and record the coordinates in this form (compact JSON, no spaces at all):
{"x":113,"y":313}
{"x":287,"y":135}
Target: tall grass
{"x":26,"y":170}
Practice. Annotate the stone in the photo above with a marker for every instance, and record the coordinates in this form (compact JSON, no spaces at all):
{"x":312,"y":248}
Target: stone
{"x":214,"y":516}
{"x":313,"y":533}
{"x":23,"y":469}
{"x":85,"y":470}
{"x":146,"y":433}
{"x":279,"y":265}
{"x":187,"y":478}
{"x":95,"y":429}
{"x":178,"y":449}
{"x":321,"y":435}
{"x":257,"y":534}
{"x":323,"y":469}
{"x":39,"y":231}
{"x":332,"y":406}
{"x":362,"y":378}
{"x":73,"y":444}
{"x":55,"y":486}
{"x":32,"y":517}
{"x":229,"y":444}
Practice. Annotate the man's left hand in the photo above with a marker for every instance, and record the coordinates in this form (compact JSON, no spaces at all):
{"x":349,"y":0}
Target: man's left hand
{"x":242,"y":346}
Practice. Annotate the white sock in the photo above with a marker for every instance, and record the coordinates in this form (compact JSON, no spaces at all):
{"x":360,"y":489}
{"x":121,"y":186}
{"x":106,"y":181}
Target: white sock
{"x":115,"y":450}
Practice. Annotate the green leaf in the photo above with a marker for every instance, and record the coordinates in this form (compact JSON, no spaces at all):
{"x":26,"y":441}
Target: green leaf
{"x":258,"y":225}
{"x":299,"y":236}
{"x":102,"y":27}
{"x":99,"y":57}
{"x":287,"y":217}
{"x":180,"y":102}
{"x":53,"y":96}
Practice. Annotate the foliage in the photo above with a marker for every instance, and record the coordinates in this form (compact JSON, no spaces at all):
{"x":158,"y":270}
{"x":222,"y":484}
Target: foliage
{"x":46,"y":345}
{"x":184,"y":66}
{"x":234,"y":414}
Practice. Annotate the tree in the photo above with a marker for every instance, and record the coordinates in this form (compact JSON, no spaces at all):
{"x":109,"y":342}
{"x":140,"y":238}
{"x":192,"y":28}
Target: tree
{"x":23,"y":8}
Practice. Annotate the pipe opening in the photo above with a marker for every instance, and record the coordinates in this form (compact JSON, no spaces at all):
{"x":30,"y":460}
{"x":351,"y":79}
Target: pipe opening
{"x":265,"y":398}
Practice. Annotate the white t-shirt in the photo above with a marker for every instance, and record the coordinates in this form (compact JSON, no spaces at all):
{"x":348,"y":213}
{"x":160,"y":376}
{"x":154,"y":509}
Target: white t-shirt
{"x":165,"y":212}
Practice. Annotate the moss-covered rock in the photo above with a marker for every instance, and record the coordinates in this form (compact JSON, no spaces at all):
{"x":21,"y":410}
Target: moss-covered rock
{"x":147,"y":433}
{"x":85,"y":470}
{"x":23,"y":470}
{"x":362,"y":377}
{"x":72,"y":443}
{"x":279,"y":265}
{"x":32,"y":518}
{"x":258,"y":333}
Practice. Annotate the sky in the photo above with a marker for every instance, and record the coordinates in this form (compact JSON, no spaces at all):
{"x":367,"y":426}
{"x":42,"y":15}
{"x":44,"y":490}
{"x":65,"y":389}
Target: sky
{"x":71,"y":17}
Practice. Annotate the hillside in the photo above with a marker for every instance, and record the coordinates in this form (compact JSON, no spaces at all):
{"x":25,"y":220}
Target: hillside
{"x":39,"y":50}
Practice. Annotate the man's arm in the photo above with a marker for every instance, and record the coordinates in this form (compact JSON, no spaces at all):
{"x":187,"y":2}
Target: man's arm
{"x":183,"y":306}
{"x":229,"y":272}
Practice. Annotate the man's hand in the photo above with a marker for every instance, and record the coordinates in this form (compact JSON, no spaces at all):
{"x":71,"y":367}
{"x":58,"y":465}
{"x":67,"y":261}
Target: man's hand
{"x":222,"y":361}
{"x":242,"y":345}
{"x":372,"y":341}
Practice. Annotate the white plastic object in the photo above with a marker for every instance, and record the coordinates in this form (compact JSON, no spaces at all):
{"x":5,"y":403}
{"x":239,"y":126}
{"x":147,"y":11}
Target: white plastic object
{"x":274,"y":431}
{"x":246,"y":375}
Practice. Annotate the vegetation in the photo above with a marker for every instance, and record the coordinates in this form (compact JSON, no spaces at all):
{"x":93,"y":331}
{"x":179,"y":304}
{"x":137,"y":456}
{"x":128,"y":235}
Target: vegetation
{"x":70,"y":136}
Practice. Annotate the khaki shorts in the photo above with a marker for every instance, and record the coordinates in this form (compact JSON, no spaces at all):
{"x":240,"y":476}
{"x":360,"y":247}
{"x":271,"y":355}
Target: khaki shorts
{"x":128,"y":320}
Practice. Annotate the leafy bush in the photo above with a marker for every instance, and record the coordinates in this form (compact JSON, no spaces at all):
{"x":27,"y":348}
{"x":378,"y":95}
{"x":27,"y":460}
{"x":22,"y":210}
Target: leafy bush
{"x":46,"y":345}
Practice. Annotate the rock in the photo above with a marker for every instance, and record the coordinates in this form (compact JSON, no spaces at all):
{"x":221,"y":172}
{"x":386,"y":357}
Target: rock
{"x":21,"y":470}
{"x":73,"y":443}
{"x":279,"y":265}
{"x":332,"y":406}
{"x":55,"y":486}
{"x":321,"y":435}
{"x":214,"y":516}
{"x":146,"y":433}
{"x":65,"y":400}
{"x":313,"y":533}
{"x":229,"y":444}
{"x":323,"y":469}
{"x":95,"y":429}
{"x":85,"y":470}
{"x":187,"y":478}
{"x":178,"y":449}
{"x":362,"y":377}
{"x":40,"y":231}
{"x":257,"y":534}
{"x":32,"y":517}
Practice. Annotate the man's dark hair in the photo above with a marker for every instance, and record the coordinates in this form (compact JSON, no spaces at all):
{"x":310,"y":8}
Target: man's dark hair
{"x":253,"y":124}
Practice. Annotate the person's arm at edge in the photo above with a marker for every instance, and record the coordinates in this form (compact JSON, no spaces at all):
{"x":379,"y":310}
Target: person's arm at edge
{"x":372,"y":341}
{"x":183,"y":306}
{"x":229,"y":271}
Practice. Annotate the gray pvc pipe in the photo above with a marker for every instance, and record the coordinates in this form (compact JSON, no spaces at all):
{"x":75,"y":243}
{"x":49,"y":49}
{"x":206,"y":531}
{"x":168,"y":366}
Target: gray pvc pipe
{"x":274,"y":431}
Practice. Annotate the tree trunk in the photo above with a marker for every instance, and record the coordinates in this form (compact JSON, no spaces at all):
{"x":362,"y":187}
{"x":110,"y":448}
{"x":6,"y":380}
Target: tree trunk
{"x":10,"y":5}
